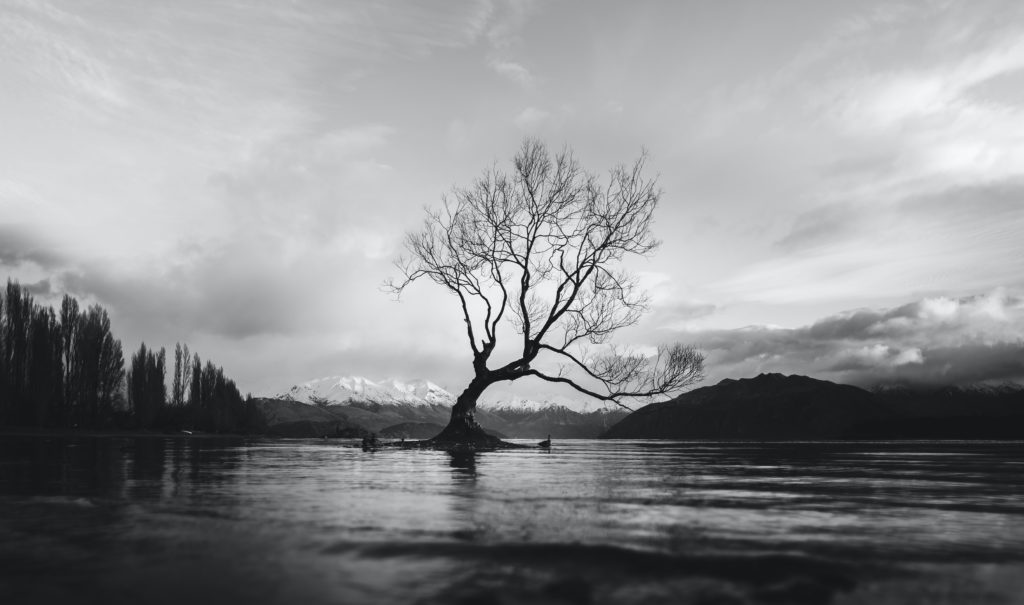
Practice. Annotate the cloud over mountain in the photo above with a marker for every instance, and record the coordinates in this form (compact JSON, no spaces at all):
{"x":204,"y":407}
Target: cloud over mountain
{"x":935,"y":340}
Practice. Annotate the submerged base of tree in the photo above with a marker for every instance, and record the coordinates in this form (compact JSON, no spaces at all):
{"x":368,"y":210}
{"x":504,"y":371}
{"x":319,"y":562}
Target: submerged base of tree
{"x":462,"y":434}
{"x":465,"y":433}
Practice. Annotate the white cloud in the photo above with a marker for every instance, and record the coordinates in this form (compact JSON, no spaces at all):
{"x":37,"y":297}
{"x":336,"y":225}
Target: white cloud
{"x":933,"y":340}
{"x":531,"y":118}
{"x":877,"y":357}
{"x":940,"y":308}
{"x":513,"y":71}
{"x":911,"y":355}
{"x":874,"y":355}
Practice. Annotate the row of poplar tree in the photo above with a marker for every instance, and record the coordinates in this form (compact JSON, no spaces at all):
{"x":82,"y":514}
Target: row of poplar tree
{"x":64,"y":368}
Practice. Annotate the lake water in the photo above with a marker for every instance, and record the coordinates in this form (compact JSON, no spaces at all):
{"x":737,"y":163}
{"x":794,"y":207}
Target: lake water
{"x":151,"y":520}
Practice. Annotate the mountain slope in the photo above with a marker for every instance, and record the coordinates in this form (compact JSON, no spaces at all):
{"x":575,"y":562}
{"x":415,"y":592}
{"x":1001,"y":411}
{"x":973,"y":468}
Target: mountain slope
{"x":557,"y":421}
{"x":776,"y":407}
{"x":770,"y":406}
{"x":286,"y":418}
{"x":950,"y":412}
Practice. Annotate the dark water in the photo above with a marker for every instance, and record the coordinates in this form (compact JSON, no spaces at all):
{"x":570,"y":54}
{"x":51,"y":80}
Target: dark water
{"x":149,"y":520}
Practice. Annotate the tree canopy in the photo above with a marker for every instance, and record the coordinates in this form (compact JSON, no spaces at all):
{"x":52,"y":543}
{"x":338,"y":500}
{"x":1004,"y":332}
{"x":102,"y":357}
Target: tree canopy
{"x":539,"y":248}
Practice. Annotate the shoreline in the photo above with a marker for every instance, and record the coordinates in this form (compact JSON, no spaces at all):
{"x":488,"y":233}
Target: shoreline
{"x":9,"y":431}
{"x":423,"y":445}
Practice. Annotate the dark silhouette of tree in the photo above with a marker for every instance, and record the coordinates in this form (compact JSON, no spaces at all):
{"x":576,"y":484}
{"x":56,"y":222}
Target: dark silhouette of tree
{"x":98,"y":368}
{"x":176,"y":385}
{"x":540,"y":247}
{"x":180,"y":381}
{"x":214,"y":401}
{"x":195,"y":396}
{"x":45,"y":375}
{"x":147,"y":392}
{"x":67,"y":369}
{"x":111,"y":373}
{"x":208,"y":379}
{"x":69,"y":323}
{"x":56,"y":370}
{"x":186,"y":374}
{"x":17,"y":317}
{"x":5,"y":395}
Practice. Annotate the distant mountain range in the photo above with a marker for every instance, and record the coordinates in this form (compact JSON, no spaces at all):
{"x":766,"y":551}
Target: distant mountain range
{"x":335,"y":390}
{"x":778,"y":407}
{"x":767,"y":407}
{"x":352,"y":405}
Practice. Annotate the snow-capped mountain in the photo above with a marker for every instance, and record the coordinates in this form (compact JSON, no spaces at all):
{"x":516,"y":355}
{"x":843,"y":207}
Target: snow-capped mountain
{"x":515,"y":403}
{"x":976,"y":389}
{"x":545,"y":403}
{"x":378,"y":405}
{"x":336,"y":390}
{"x":348,"y":389}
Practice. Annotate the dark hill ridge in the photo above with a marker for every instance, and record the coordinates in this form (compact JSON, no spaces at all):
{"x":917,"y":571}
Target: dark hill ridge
{"x":950,"y":412}
{"x":555,"y":421}
{"x":282,"y":418}
{"x":777,"y":407}
{"x":770,"y":406}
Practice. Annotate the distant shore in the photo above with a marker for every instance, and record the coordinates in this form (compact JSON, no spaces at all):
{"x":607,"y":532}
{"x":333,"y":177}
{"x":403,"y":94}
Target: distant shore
{"x":16,"y":431}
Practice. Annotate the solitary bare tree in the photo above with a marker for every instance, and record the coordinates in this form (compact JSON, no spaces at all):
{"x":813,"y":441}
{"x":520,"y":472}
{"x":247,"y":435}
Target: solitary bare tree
{"x":539,"y":247}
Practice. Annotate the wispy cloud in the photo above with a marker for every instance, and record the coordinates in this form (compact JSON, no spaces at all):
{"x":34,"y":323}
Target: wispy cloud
{"x":305,"y":187}
{"x":513,"y":71}
{"x":934,"y":117}
{"x":507,"y":20}
{"x":52,"y":47}
{"x":915,"y":179}
{"x":844,"y":251}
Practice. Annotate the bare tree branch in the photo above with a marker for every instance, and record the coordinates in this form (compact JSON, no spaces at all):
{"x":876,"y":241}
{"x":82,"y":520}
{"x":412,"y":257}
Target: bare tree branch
{"x":538,"y":248}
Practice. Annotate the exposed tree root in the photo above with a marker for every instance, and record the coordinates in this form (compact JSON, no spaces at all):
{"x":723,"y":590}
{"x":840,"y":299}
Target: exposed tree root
{"x":464,"y":430}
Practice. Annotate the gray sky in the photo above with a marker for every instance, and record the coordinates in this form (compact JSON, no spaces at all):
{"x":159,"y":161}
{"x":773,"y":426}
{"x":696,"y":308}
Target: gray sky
{"x":843,"y":180}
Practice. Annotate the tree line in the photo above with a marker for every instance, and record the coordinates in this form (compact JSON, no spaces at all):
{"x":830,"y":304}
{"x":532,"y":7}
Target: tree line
{"x":64,"y":368}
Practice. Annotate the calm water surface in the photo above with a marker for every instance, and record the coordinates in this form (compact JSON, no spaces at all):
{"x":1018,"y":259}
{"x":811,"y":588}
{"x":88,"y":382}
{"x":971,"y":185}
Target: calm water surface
{"x":133,"y":520}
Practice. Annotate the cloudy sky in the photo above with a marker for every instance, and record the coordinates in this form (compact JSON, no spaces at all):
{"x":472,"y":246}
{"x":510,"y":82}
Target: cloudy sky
{"x":843,"y":181}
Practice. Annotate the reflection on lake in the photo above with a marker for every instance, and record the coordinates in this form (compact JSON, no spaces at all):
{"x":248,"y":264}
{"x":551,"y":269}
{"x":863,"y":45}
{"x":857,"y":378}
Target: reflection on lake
{"x":126,"y":520}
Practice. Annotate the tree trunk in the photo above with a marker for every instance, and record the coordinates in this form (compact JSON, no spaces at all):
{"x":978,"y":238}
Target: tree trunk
{"x":463,"y":429}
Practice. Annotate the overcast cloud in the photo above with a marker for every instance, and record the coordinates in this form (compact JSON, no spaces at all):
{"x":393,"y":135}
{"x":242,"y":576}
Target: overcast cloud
{"x":931,"y":341}
{"x":844,"y":191}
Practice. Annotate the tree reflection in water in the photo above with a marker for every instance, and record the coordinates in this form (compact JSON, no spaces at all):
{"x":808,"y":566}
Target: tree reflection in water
{"x":463,"y":463}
